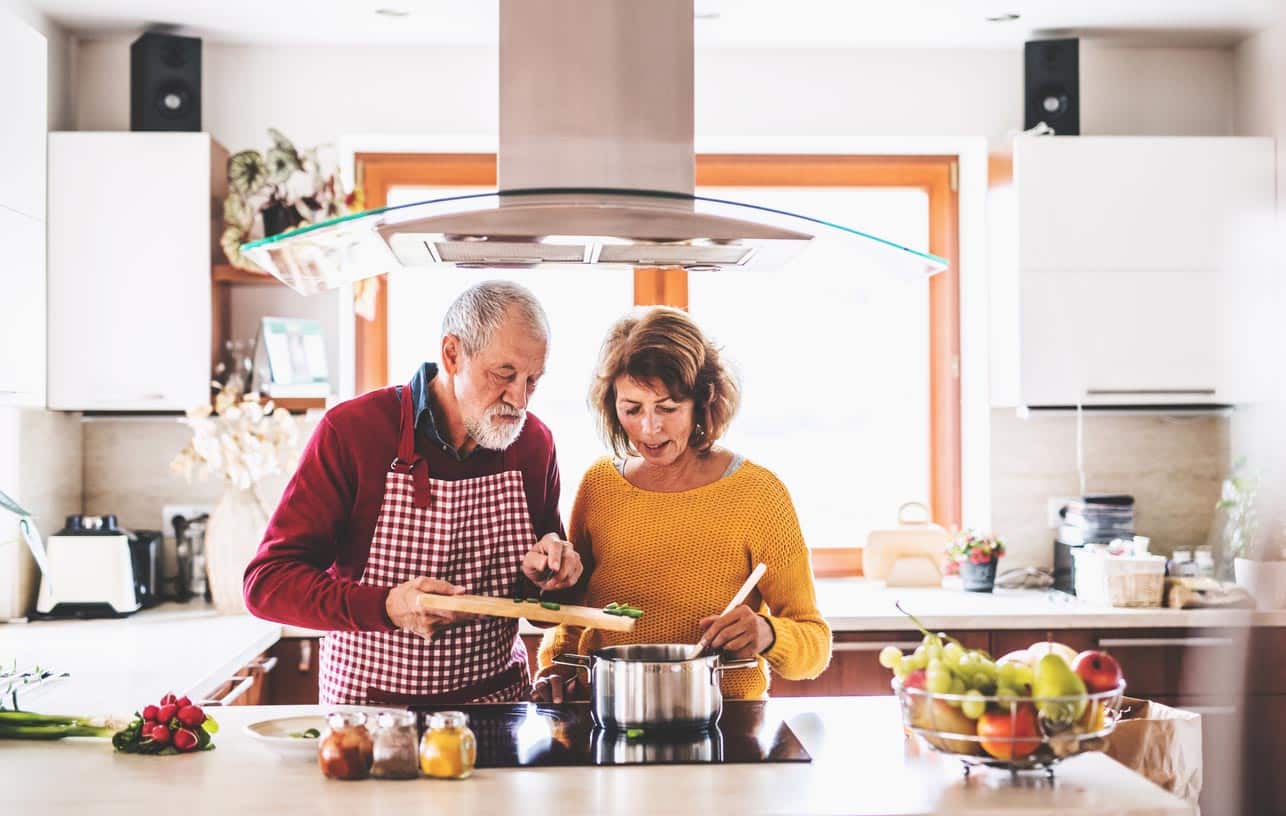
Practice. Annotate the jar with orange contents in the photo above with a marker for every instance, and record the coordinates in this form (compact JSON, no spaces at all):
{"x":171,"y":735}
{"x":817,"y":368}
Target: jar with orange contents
{"x":448,"y":749}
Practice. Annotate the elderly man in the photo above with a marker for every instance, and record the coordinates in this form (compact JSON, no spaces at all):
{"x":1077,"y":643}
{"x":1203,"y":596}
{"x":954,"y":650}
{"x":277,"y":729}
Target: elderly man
{"x":444,"y":485}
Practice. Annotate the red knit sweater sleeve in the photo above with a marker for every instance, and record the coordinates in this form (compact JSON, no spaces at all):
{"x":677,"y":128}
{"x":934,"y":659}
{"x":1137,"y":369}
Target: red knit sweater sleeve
{"x":289,"y":580}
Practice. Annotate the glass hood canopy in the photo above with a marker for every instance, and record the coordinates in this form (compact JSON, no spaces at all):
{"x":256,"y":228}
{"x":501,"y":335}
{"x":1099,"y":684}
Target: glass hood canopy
{"x":574,"y":228}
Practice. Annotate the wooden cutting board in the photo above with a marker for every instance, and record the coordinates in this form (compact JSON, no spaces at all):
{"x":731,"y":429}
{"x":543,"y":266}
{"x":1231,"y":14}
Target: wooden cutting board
{"x":506,"y":608}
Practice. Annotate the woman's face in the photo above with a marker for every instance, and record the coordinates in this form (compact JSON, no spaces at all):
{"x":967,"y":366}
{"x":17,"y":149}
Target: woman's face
{"x":658,"y":426}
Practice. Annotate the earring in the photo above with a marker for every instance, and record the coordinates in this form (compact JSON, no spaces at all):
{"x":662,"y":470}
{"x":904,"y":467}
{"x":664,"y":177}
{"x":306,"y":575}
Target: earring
{"x":700,"y":430}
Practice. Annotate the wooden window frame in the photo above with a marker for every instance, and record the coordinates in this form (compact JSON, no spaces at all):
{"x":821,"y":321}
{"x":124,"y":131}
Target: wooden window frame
{"x":937,"y":176}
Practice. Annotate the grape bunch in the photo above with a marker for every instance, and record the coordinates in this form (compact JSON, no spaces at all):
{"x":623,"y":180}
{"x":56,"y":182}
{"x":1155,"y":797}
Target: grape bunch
{"x":943,"y":665}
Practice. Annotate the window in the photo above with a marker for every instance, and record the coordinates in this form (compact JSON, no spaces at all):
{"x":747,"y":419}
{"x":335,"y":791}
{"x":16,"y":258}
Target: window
{"x":834,"y":366}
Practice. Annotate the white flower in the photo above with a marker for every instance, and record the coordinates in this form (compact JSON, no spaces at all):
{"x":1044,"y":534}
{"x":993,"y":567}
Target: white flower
{"x":239,"y":439}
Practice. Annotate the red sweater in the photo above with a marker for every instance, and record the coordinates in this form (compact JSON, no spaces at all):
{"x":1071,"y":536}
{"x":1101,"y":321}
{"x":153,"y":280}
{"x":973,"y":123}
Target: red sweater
{"x":317,"y":542}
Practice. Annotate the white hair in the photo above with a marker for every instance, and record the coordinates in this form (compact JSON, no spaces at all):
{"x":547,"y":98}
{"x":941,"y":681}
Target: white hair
{"x":477,"y":314}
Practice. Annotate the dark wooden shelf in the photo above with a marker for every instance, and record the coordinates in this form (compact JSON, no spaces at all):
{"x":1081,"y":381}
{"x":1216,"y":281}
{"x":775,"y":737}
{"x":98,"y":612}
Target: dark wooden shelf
{"x":227,"y":273}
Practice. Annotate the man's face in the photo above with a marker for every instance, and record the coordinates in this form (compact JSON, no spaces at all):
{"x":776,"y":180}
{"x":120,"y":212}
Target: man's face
{"x":493,"y":386}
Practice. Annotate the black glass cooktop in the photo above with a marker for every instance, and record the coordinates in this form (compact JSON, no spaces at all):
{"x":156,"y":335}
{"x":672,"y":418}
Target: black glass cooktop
{"x":513,"y":735}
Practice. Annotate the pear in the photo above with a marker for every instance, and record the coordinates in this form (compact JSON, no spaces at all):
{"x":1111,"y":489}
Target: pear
{"x":1055,"y":678}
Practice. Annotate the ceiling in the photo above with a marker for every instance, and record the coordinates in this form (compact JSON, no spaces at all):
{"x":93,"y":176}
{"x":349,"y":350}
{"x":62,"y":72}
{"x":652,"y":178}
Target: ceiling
{"x":720,"y":23}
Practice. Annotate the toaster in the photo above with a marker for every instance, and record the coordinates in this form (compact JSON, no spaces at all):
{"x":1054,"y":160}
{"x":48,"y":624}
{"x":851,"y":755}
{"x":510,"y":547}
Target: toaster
{"x":92,"y":571}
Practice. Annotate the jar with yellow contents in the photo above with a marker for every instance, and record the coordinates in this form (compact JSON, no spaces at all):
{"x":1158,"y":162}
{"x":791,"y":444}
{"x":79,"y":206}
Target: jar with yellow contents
{"x":448,"y":749}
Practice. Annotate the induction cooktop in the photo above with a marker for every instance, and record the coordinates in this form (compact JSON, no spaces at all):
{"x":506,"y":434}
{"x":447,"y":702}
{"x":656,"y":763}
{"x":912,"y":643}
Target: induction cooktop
{"x":518,"y":735}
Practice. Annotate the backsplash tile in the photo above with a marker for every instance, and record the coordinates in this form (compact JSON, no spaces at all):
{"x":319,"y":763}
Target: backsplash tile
{"x":1172,"y":465}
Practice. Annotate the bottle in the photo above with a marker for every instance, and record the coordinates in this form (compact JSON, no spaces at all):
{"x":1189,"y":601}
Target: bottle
{"x":1205,"y":562}
{"x":345,"y":749}
{"x":448,"y":749}
{"x":1181,"y":564}
{"x":394,"y":746}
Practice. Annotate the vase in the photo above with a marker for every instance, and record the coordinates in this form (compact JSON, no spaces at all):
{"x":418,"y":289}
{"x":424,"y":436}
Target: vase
{"x":232,"y":537}
{"x":978,"y":577}
{"x":1264,"y":580}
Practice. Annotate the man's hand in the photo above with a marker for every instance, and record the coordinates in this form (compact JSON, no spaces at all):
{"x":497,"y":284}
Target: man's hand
{"x":740,"y":633}
{"x":407,"y":614}
{"x":552,"y":563}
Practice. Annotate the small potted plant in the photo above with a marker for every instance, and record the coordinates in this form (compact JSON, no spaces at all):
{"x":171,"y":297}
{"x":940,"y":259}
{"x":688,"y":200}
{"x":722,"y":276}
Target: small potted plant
{"x":1257,"y":552}
{"x":975,"y":556}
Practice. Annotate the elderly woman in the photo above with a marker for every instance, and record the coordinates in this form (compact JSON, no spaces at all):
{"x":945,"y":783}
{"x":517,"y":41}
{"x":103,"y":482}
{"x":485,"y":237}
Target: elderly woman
{"x":675,"y":523}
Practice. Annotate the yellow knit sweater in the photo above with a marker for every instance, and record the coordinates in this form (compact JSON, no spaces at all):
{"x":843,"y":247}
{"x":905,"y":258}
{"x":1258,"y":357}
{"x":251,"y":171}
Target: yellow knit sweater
{"x":682,"y":556}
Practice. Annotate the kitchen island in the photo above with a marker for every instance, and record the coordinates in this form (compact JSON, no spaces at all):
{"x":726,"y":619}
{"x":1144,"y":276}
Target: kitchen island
{"x":862,"y":763}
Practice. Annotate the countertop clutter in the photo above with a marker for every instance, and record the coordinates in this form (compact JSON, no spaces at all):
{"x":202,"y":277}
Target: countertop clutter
{"x":862,"y":763}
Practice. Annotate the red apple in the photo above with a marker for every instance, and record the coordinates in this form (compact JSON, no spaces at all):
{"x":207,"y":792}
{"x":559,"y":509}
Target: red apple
{"x":1099,"y":670}
{"x":914,"y":680}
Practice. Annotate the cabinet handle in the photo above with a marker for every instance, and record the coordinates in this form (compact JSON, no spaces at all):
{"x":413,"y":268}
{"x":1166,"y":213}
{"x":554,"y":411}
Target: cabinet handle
{"x":874,"y":646}
{"x":266,"y":665}
{"x":243,"y":685}
{"x":152,"y":397}
{"x":305,"y":656}
{"x":1147,"y":392}
{"x":1185,"y":642}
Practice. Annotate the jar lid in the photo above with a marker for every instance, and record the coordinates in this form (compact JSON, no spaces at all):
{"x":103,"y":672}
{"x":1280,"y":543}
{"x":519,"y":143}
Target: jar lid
{"x":388,"y":719}
{"x":448,"y":719}
{"x":345,"y":719}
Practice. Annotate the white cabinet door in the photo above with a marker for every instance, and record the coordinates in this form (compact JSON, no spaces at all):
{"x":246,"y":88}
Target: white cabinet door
{"x":22,"y":321}
{"x":129,"y":271}
{"x":1123,"y":247}
{"x":23,"y":122}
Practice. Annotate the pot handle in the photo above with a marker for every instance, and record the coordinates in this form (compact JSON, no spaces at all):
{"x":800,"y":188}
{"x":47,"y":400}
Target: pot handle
{"x":724,"y":665}
{"x":576,"y":661}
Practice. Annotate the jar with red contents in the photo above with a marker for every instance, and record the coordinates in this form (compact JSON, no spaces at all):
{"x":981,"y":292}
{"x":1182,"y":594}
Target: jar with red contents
{"x":345,"y":750}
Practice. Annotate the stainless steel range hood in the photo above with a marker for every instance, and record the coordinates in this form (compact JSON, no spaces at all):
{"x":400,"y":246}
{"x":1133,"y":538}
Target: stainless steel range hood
{"x":595,"y":167}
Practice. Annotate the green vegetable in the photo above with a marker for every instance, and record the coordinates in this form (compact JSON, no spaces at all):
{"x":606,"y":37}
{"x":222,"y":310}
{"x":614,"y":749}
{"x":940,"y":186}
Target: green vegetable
{"x":550,"y":605}
{"x":517,"y":600}
{"x":311,"y":733}
{"x":633,"y":733}
{"x":29,"y":725}
{"x":633,"y":613}
{"x":533,"y":600}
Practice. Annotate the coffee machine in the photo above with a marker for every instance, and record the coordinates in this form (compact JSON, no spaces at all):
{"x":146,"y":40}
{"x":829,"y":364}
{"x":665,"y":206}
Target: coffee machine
{"x":1094,"y":519}
{"x":96,"y":569}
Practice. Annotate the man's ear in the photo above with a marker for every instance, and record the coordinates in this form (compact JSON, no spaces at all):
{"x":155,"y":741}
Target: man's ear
{"x":451,"y":354}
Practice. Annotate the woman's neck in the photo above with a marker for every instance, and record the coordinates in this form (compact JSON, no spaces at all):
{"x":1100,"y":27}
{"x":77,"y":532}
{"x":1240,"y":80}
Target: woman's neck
{"x":689,"y":470}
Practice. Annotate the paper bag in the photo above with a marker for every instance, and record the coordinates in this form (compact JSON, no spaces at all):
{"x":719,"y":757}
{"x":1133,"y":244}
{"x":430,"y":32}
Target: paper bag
{"x":1161,"y":743}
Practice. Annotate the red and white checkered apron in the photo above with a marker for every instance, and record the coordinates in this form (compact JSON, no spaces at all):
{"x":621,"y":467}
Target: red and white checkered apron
{"x":473,"y":533}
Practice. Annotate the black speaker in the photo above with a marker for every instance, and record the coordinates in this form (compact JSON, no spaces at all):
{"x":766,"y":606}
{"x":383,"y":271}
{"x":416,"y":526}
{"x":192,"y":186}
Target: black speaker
{"x":1052,"y":85}
{"x":165,"y":83}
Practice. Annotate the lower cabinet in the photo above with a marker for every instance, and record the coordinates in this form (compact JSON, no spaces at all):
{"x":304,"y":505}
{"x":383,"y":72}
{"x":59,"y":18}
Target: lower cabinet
{"x":247,"y":687}
{"x":293,"y":678}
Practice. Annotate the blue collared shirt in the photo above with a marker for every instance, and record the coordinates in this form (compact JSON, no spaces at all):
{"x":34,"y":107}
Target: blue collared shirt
{"x":422,"y":398}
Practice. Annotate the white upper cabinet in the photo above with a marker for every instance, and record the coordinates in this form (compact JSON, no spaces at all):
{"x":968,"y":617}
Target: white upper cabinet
{"x":1123,"y":248}
{"x":22,"y":325}
{"x":23,"y":123}
{"x":129,"y":269}
{"x":22,"y":213}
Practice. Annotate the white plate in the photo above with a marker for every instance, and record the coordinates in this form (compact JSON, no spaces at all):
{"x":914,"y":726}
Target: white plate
{"x":275,"y":735}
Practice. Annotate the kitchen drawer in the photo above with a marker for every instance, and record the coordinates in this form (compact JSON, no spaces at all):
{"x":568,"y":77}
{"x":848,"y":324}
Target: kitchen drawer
{"x":1204,"y":662}
{"x":247,"y":686}
{"x":855,"y":668}
{"x":294,"y":679}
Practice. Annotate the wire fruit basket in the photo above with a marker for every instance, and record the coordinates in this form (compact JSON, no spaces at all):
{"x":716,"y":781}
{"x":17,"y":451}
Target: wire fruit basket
{"x":1011,"y":732}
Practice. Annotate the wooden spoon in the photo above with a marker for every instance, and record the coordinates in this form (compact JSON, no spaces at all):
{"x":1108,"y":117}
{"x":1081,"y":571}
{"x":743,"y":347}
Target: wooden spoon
{"x":700,"y":647}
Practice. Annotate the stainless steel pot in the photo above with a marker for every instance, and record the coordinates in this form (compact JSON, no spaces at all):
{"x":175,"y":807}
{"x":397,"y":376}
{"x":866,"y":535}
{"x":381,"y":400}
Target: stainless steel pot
{"x":653,"y":685}
{"x":619,"y":748}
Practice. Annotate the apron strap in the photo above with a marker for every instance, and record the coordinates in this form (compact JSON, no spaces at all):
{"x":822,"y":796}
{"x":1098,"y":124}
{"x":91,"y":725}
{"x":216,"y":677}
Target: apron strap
{"x":407,"y":460}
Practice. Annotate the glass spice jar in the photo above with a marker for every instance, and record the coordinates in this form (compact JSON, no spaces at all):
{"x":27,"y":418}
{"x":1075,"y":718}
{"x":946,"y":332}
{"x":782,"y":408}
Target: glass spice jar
{"x":395,"y":746}
{"x":448,"y":749}
{"x":345,"y":749}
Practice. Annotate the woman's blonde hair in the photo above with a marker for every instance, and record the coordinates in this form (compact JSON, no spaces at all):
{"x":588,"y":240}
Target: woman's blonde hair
{"x":664,"y":344}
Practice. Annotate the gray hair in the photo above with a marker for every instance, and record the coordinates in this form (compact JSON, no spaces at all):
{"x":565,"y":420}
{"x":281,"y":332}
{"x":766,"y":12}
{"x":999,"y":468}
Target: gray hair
{"x":476,"y":315}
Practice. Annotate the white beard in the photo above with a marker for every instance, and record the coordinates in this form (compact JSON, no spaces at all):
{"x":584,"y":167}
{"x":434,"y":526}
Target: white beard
{"x":492,"y":436}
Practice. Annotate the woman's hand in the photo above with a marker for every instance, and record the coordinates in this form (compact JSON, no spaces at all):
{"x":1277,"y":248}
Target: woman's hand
{"x":739,"y":634}
{"x":554,"y":688}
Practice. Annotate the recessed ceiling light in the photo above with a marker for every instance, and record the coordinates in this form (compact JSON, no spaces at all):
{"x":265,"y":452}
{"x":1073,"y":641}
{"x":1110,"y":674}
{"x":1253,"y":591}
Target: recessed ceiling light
{"x":1007,"y":17}
{"x":392,"y":12}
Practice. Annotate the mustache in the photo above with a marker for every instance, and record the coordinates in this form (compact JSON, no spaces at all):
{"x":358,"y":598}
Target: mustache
{"x":505,"y":409}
